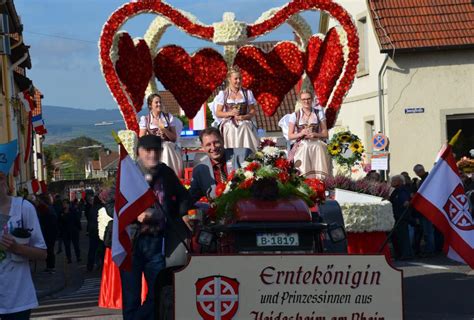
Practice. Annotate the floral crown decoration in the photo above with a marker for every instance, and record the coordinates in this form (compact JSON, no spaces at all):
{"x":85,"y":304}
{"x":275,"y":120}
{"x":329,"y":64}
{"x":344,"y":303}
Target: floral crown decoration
{"x":130,"y":66}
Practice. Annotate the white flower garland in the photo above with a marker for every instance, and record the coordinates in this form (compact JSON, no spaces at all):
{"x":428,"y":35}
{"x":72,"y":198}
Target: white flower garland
{"x":114,"y":54}
{"x":229,"y":31}
{"x":368,"y":217}
{"x":152,"y":37}
{"x":129,"y":141}
{"x":345,"y":52}
{"x":229,"y":54}
{"x":102,"y":220}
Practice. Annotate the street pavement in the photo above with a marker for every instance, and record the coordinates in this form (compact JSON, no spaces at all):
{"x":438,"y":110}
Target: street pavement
{"x":71,"y":292}
{"x":434,"y":289}
{"x":437,"y":289}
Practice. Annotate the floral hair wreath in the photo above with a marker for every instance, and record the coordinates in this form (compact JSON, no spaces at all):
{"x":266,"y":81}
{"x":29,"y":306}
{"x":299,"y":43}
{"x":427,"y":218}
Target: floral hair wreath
{"x":129,"y":66}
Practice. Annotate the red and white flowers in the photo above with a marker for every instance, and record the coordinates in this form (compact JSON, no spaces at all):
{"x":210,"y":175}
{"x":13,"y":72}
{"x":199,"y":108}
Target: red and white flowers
{"x":336,"y":73}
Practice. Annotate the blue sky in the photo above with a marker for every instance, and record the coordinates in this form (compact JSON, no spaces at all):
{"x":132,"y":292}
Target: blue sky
{"x":63,"y":36}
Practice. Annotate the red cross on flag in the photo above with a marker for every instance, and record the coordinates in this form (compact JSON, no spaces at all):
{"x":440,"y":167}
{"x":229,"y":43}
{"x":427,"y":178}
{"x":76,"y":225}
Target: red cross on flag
{"x":442,"y":200}
{"x":132,"y":196}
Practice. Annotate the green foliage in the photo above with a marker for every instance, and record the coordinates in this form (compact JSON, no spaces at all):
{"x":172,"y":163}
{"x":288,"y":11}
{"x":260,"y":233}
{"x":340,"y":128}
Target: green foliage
{"x":185,"y":120}
{"x":72,"y":156}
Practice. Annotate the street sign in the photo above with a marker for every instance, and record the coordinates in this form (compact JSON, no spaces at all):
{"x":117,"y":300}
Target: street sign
{"x":379,"y":141}
{"x":414,"y":110}
{"x":379,"y":161}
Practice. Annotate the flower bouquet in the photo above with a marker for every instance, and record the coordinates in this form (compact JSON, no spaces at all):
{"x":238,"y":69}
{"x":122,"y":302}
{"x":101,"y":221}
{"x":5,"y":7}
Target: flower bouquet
{"x":266,"y":175}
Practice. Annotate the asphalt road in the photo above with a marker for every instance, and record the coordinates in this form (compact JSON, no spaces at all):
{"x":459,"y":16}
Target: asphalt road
{"x":437,"y":288}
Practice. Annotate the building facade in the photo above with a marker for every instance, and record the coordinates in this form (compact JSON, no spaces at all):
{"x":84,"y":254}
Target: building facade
{"x":15,"y":120}
{"x":415,"y":79}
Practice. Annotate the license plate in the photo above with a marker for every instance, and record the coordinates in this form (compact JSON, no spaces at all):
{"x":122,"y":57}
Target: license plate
{"x":277,"y":240}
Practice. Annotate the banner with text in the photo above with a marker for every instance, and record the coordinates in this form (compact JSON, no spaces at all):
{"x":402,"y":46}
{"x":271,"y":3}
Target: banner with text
{"x":288,"y":287}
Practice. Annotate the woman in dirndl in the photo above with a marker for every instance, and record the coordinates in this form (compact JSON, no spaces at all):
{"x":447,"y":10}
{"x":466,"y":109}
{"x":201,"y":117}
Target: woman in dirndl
{"x":236,"y":106}
{"x":307,"y":126}
{"x":160,"y":123}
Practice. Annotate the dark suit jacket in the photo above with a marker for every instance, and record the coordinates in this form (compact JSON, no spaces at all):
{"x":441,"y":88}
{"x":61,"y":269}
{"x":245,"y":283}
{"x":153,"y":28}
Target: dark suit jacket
{"x":203,"y":181}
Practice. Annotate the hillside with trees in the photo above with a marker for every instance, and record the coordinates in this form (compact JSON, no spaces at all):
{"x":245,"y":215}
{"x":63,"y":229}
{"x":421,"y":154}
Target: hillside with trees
{"x":71,"y":156}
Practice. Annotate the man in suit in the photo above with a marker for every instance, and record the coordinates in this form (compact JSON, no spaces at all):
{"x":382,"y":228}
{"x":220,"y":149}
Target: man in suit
{"x":214,"y":166}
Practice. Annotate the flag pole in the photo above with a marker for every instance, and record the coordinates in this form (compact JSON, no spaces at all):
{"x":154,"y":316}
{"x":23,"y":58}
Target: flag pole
{"x":455,"y":138}
{"x":399,"y":220}
{"x":116,"y":137}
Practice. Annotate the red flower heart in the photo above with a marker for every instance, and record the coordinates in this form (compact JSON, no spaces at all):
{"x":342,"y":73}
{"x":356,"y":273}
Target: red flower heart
{"x":270,"y":100}
{"x":324,"y":64}
{"x":191,"y":79}
{"x":270,"y":75}
{"x":134,"y":68}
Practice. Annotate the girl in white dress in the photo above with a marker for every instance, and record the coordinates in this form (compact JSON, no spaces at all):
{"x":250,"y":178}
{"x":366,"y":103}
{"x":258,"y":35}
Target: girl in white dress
{"x":160,"y":123}
{"x":307,"y":126}
{"x":236,"y":106}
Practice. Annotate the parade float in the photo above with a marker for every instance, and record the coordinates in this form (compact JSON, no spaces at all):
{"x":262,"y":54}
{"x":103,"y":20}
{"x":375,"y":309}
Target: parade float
{"x":367,"y":214}
{"x":253,"y":254}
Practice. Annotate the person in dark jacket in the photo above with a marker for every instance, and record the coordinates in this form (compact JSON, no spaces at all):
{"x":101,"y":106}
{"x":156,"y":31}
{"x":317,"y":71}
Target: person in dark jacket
{"x":49,"y":228}
{"x":58,"y":209}
{"x":71,"y":227}
{"x":433,"y":239}
{"x":400,"y":199}
{"x":92,"y":212}
{"x":163,"y":221}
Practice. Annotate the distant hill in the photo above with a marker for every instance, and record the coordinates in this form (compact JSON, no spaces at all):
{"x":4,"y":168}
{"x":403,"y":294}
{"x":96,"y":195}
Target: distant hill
{"x":54,"y":115}
{"x":68,"y":123}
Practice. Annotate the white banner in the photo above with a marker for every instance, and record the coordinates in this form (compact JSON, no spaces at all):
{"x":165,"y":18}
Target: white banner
{"x":288,"y":287}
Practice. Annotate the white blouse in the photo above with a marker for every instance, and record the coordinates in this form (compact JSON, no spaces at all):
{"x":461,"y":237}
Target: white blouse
{"x":142,"y":123}
{"x":250,"y":98}
{"x":313,"y":119}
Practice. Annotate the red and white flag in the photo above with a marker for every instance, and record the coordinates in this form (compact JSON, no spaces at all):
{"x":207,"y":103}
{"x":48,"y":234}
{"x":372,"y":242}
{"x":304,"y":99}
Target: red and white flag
{"x":33,"y":186}
{"x":441,"y":199}
{"x":29,"y":106}
{"x":133,"y":195}
{"x":27,"y":101}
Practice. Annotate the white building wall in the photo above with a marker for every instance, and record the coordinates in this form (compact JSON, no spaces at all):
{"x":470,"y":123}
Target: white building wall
{"x":441,"y":82}
{"x":361,"y":105}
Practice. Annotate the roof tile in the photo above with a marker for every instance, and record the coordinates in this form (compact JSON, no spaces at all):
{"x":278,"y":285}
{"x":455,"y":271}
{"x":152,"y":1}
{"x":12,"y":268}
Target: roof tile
{"x":414,"y":24}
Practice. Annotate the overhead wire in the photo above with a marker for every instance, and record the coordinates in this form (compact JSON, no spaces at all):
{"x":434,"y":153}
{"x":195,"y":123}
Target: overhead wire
{"x":96,"y":42}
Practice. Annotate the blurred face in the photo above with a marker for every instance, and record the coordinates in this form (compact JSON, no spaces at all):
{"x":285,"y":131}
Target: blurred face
{"x":214,"y":146}
{"x":149,"y":157}
{"x":155,"y":105}
{"x":306,"y":100}
{"x":395,"y":182}
{"x":419,"y":172}
{"x":235,"y":80}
